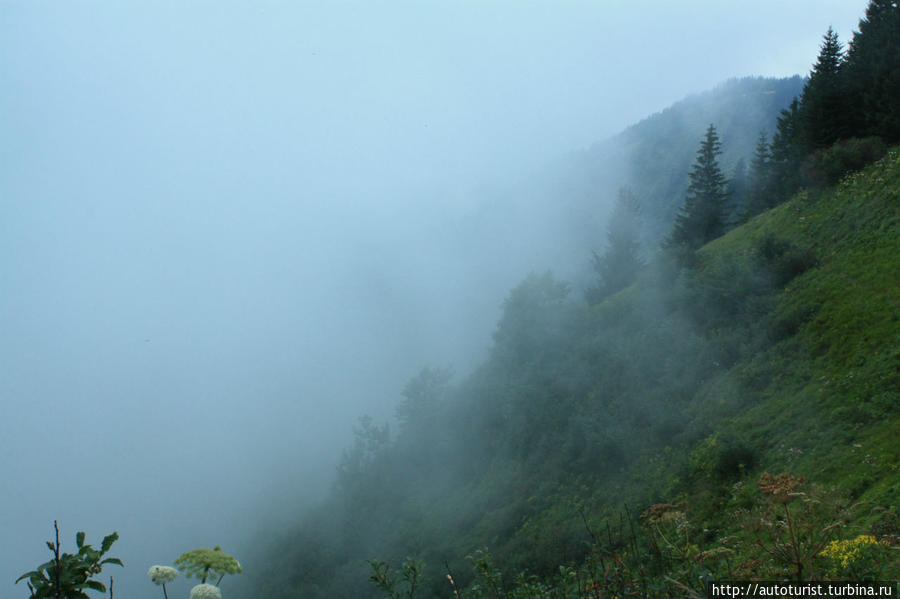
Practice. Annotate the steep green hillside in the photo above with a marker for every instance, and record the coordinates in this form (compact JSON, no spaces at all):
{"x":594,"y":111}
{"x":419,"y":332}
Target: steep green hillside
{"x":778,"y":351}
{"x":729,"y":412}
{"x":824,"y":393}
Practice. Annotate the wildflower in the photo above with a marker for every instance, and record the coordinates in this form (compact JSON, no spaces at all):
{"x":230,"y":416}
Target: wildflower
{"x":206,"y":591}
{"x":662,"y":512}
{"x":848,"y":552}
{"x":704,"y":556}
{"x":207,"y":562}
{"x":162,"y":574}
{"x":783,"y":487}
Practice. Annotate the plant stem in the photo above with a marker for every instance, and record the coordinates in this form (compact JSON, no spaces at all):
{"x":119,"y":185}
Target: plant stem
{"x":56,"y":558}
{"x":452,"y":580}
{"x":634,"y":547}
{"x":794,"y":544}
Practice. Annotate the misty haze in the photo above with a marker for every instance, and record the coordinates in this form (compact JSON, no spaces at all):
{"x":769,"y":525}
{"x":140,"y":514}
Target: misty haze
{"x":408,"y":299}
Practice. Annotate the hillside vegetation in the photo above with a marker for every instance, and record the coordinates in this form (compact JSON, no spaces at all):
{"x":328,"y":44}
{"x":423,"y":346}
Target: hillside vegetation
{"x":553,"y":217}
{"x":642,"y":155}
{"x":726,"y":407}
{"x":778,"y":352}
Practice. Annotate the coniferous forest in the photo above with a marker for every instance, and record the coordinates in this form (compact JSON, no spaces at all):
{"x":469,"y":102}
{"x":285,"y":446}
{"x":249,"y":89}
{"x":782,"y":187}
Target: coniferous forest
{"x":719,"y":402}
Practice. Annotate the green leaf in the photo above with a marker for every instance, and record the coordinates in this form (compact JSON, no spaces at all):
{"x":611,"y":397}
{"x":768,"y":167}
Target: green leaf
{"x":27,"y":575}
{"x":79,"y":539}
{"x":108,"y":541}
{"x":46,"y":566}
{"x":113,"y":560}
{"x":94,"y":585}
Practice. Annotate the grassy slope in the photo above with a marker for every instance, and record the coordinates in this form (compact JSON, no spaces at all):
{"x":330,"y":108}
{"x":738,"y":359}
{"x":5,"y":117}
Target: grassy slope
{"x":818,"y":395}
{"x":830,"y":404}
{"x":821,"y":398}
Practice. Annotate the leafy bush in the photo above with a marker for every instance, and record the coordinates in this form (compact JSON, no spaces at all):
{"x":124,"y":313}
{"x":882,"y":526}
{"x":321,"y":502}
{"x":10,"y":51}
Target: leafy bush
{"x":826,"y":167}
{"x":68,"y":576}
{"x":782,"y":260}
{"x":787,"y":324}
{"x":397,"y":588}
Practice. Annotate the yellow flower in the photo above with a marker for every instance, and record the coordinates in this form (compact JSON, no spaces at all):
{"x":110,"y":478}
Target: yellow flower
{"x":848,"y":552}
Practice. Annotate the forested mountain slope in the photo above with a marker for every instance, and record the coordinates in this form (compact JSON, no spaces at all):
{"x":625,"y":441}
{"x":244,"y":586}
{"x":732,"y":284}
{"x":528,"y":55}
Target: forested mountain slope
{"x":554,"y":217}
{"x":731,"y":410}
{"x":779,"y":351}
{"x":650,"y":158}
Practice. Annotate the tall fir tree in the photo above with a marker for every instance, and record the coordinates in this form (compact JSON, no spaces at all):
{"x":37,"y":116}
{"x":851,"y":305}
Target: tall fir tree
{"x":872,"y":72}
{"x":737,"y":188}
{"x":702,"y":217}
{"x":824,"y":106}
{"x":619,"y":265}
{"x":787,"y":151}
{"x":759,"y":183}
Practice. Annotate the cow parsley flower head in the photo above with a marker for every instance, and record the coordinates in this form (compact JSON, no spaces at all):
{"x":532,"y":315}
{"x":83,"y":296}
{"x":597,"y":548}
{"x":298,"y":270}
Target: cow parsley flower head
{"x":207,"y":562}
{"x":162,"y":574}
{"x":206,"y":591}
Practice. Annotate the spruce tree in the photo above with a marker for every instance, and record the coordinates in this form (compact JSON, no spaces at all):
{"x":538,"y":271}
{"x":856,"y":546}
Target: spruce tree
{"x":759,"y":192}
{"x":702,"y":217}
{"x":738,"y":187}
{"x":824,"y":105}
{"x":872,"y":72}
{"x":787,"y":153}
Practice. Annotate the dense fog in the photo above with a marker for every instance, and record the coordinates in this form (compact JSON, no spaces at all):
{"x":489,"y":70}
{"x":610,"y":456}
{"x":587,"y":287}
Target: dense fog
{"x":228,"y":230}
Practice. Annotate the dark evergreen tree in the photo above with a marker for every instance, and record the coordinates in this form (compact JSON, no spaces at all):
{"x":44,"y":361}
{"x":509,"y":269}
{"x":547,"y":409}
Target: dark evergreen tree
{"x":759,"y":183}
{"x":872,"y":72}
{"x":738,"y":187}
{"x":824,"y":106}
{"x":702,"y":217}
{"x":787,"y":154}
{"x":620,"y":263}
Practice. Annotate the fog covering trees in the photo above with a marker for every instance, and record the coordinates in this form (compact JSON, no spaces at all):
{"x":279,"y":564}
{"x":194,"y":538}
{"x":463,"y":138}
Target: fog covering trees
{"x":621,"y":260}
{"x":229,"y":233}
{"x":663,"y":389}
{"x":637,"y":157}
{"x":759,"y":192}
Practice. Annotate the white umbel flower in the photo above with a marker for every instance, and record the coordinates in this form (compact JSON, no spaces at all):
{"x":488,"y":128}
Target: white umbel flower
{"x":162,"y":574}
{"x":206,"y":591}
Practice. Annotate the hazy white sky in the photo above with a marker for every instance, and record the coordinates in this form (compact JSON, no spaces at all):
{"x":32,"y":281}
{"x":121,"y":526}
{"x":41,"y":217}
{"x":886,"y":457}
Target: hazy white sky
{"x":218,"y":225}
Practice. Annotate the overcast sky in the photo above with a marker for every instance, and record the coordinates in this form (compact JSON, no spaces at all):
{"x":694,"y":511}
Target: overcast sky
{"x":221,"y":226}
